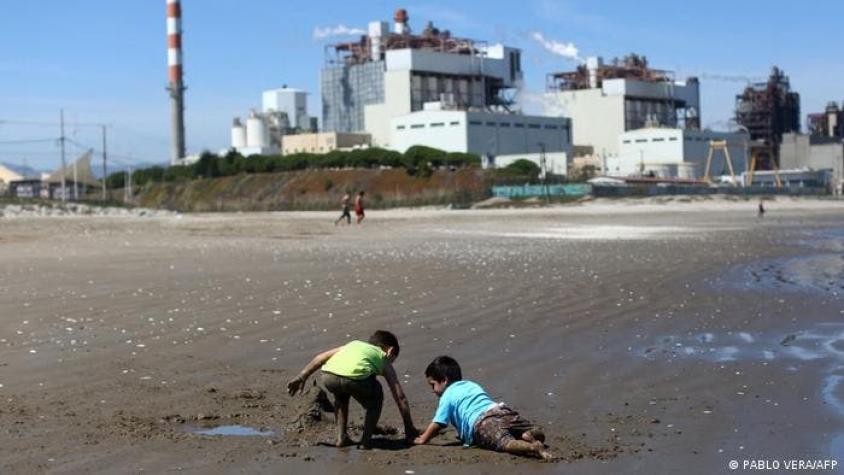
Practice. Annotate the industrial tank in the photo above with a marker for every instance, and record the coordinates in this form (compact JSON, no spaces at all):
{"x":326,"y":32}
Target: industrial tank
{"x":256,"y":131}
{"x":238,"y":135}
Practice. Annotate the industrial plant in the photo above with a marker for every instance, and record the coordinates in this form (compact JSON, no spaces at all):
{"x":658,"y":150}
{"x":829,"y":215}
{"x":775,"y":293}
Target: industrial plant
{"x":395,"y":88}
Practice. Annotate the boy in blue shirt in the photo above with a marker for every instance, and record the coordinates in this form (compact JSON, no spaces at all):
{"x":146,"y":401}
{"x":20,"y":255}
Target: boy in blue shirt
{"x":479,"y":421}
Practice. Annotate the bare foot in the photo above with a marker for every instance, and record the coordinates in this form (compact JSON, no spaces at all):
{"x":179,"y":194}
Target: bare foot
{"x":543,"y":453}
{"x":344,"y":442}
{"x":533,"y":435}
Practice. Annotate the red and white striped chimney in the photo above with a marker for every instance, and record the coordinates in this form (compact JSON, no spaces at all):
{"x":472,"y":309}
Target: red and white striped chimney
{"x":174,"y":76}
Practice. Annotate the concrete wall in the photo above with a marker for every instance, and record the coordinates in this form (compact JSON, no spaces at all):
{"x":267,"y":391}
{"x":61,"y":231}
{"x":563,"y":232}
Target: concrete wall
{"x":597,"y":119}
{"x":482,"y":133}
{"x":829,"y":156}
{"x":794,"y":151}
{"x":396,"y":103}
{"x":445,"y":130}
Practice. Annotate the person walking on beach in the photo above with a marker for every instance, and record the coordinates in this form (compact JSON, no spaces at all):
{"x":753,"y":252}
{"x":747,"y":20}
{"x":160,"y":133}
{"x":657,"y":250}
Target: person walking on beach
{"x":345,"y":204}
{"x":359,"y":206}
{"x":761,"y":213}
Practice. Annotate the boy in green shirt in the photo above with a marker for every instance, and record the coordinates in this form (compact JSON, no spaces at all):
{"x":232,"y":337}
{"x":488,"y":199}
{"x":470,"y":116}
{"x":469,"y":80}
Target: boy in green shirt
{"x":349,"y":371}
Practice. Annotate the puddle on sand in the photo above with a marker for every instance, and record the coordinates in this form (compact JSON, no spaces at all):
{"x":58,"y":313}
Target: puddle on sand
{"x":824,"y":343}
{"x":819,"y":270}
{"x":231,"y":430}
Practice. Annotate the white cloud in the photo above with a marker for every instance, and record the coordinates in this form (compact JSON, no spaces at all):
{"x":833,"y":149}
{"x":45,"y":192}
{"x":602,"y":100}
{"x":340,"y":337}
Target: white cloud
{"x":565,"y":50}
{"x":339,"y":30}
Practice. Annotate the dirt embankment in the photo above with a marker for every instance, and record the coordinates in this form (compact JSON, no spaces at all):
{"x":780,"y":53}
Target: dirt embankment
{"x":317,"y":190}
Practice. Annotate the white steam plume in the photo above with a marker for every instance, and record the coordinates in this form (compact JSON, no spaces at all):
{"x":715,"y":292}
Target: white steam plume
{"x":565,"y":50}
{"x":339,"y":30}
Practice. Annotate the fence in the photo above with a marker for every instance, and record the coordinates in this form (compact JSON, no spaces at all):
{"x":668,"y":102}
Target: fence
{"x":575,"y":190}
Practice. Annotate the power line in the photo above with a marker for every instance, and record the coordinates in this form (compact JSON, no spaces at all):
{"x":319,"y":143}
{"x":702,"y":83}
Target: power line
{"x":6,"y":142}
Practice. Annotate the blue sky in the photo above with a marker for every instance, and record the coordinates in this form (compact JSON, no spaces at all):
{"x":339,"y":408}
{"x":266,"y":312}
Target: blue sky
{"x":104,"y":61}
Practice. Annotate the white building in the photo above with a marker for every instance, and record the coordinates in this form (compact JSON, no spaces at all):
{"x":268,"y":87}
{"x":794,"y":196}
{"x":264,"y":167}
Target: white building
{"x":284,"y":111}
{"x":293,"y":102}
{"x":681,"y":153}
{"x":388,"y":74}
{"x":606,"y":100}
{"x":498,"y":137}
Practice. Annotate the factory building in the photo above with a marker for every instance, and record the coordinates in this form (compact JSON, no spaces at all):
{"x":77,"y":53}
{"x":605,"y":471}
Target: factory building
{"x":496,"y":137}
{"x":829,"y":123}
{"x":677,"y":153}
{"x":323,"y":142}
{"x":284,"y":112}
{"x":605,"y":100}
{"x":393,"y":73}
{"x":768,"y":110}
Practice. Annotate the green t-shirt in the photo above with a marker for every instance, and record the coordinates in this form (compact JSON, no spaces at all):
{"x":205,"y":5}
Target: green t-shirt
{"x":356,"y":360}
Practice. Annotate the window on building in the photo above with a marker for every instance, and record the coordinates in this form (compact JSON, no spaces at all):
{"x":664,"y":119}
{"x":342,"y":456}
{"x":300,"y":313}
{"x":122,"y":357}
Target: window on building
{"x":504,"y":124}
{"x":627,"y":141}
{"x":456,"y":122}
{"x":438,"y":124}
{"x":641,"y":140}
{"x":534,"y":126}
{"x":658,"y":139}
{"x":672,"y":139}
{"x":519,"y":126}
{"x":400,"y":127}
{"x":475,"y":122}
{"x":490,"y":124}
{"x":551,"y":127}
{"x":417,"y":126}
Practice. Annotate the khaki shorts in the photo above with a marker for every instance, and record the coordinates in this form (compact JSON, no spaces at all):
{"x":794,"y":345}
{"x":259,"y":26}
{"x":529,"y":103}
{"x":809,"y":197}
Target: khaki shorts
{"x":498,"y":426}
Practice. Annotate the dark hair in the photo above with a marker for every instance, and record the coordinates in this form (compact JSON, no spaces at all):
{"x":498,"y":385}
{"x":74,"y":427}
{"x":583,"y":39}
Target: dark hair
{"x":442,"y":368}
{"x":384,"y":339}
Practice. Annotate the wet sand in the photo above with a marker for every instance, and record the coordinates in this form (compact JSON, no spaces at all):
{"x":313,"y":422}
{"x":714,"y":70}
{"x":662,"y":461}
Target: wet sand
{"x":644,"y":336}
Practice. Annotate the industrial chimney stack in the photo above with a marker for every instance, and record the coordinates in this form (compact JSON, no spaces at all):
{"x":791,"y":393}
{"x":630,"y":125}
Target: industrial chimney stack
{"x":175,"y":84}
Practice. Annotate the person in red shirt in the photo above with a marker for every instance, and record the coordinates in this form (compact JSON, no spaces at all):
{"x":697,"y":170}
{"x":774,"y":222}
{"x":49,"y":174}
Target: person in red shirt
{"x":359,"y":207}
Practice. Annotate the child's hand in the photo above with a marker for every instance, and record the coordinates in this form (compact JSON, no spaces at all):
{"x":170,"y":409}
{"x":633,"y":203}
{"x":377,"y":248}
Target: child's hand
{"x":295,"y":385}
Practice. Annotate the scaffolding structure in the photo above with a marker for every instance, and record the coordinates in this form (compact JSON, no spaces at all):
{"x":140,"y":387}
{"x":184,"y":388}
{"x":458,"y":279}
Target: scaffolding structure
{"x":632,"y":66}
{"x":829,"y":123}
{"x":768,"y":110}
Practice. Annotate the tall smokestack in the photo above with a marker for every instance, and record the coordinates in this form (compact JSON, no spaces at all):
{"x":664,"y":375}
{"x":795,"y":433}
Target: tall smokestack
{"x":175,"y":84}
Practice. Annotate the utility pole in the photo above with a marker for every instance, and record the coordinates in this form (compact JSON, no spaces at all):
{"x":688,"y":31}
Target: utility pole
{"x":105,"y":171}
{"x":61,"y":139}
{"x":544,"y":166}
{"x":75,"y":183}
{"x":127,"y":187}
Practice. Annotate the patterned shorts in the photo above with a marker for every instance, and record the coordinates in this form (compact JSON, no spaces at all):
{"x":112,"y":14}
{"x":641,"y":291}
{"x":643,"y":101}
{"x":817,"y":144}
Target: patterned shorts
{"x":498,"y":426}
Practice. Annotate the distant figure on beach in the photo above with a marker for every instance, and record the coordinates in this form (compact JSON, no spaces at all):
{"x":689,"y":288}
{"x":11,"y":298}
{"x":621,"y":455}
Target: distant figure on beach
{"x":479,"y":421}
{"x":359,"y":207}
{"x":761,"y":213}
{"x":344,"y":203}
{"x":349,"y":371}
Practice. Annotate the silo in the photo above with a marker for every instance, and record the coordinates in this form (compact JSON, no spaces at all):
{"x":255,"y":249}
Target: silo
{"x":256,"y":131}
{"x":238,"y":135}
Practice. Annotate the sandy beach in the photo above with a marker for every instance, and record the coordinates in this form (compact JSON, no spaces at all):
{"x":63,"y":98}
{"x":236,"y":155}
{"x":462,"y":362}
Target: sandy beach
{"x":645,"y":336}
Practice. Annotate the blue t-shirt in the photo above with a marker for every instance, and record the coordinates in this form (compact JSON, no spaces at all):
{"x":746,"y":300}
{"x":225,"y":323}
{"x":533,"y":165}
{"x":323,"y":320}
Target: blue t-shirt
{"x":460,"y":405}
